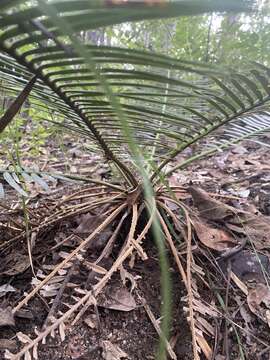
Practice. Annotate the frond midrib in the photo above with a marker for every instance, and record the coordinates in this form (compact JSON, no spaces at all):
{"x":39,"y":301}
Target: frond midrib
{"x":108,"y":153}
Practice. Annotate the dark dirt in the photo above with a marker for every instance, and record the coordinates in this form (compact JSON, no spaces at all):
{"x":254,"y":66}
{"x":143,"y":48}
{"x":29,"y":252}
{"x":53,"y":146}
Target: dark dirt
{"x":132,"y":331}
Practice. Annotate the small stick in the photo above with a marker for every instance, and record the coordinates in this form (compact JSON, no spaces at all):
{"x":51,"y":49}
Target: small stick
{"x":89,"y":295}
{"x":59,"y":295}
{"x":101,"y":227}
{"x":116,"y":265}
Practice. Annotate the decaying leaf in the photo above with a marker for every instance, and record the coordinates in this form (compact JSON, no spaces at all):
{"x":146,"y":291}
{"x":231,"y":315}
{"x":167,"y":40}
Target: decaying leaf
{"x":205,"y":326}
{"x":112,"y":351}
{"x":248,"y":266}
{"x":239,"y":283}
{"x":246,"y":316}
{"x":6,"y":288}
{"x":91,"y":321}
{"x":255,"y":227}
{"x":6,"y":316}
{"x":205,"y":309}
{"x":87,"y":223}
{"x":209,"y":208}
{"x":15,"y":264}
{"x":258,"y":300}
{"x":50,"y":290}
{"x":8,"y":344}
{"x":117,"y":298}
{"x":216,"y":239}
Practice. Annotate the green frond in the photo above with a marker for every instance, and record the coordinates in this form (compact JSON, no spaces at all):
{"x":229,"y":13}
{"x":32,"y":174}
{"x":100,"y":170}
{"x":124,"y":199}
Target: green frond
{"x":17,"y":177}
{"x":248,"y":127}
{"x":239,"y":130}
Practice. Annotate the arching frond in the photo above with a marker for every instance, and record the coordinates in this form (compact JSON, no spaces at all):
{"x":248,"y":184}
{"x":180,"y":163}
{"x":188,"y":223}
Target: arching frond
{"x":166,"y":103}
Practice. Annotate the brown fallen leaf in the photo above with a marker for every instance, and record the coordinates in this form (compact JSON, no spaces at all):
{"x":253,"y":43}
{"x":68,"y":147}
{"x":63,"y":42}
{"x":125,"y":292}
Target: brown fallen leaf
{"x":216,"y":239}
{"x":91,"y":321}
{"x":209,"y":208}
{"x":8,"y":344}
{"x":25,"y":314}
{"x":248,"y":266}
{"x":258,"y":300}
{"x":246,"y":316}
{"x":15,"y":264}
{"x":255,"y":227}
{"x":87,"y":223}
{"x":6,"y":316}
{"x":6,"y":288}
{"x":112,"y":351}
{"x":117,"y":298}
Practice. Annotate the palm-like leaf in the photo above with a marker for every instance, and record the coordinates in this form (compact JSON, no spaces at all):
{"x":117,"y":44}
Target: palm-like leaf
{"x":239,"y":130}
{"x":159,"y":110}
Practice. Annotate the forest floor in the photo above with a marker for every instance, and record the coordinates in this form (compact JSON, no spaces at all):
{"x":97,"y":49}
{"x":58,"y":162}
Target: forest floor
{"x":119,"y":326}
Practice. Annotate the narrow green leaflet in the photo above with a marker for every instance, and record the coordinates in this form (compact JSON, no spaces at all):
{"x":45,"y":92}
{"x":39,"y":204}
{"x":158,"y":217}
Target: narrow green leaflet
{"x":11,"y":181}
{"x":2,"y":192}
{"x":37,"y":179}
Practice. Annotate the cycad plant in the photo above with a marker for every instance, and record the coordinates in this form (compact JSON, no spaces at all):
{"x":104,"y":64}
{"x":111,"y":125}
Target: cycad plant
{"x":139,"y":109}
